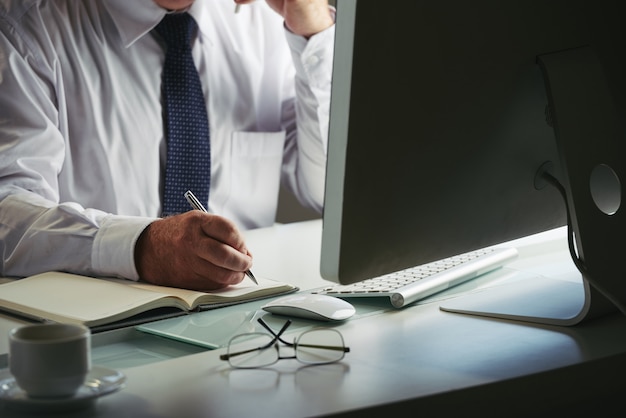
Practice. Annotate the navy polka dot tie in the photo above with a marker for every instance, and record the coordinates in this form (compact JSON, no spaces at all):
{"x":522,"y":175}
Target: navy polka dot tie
{"x":188,"y":165}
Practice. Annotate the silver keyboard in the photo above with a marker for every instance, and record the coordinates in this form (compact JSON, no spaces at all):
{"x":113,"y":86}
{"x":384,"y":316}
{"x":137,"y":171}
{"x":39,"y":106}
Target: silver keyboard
{"x":415,"y":283}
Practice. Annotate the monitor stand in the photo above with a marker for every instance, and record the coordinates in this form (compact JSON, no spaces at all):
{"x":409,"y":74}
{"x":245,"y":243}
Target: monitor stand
{"x":537,"y":299}
{"x":593,"y":157}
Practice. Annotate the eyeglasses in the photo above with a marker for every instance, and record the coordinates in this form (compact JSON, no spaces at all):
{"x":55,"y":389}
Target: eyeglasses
{"x":257,"y":349}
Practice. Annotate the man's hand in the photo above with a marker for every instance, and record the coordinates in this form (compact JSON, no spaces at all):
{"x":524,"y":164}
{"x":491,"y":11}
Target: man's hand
{"x":302,"y":17}
{"x":193,"y":250}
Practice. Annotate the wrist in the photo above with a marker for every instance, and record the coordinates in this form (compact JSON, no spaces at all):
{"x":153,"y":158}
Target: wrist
{"x":313,"y":22}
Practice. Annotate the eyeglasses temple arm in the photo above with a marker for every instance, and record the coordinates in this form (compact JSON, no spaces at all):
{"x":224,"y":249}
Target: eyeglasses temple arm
{"x":326,"y":347}
{"x":279,"y":333}
{"x":239,"y":353}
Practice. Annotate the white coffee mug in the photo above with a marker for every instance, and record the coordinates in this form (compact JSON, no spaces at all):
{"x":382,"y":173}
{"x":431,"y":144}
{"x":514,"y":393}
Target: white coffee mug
{"x":50,"y":360}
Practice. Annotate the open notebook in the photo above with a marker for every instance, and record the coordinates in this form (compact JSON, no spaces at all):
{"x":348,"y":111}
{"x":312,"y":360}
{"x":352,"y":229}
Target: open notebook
{"x":103,"y":303}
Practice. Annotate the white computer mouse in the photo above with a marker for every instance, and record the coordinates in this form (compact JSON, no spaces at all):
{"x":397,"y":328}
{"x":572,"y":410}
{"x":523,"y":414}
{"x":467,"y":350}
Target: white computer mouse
{"x":311,"y":306}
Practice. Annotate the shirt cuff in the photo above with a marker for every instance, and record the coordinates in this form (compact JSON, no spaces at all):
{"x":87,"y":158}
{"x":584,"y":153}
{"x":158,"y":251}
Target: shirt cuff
{"x":114,"y":246}
{"x":313,"y":57}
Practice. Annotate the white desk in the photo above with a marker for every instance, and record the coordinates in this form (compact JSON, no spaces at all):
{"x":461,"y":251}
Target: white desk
{"x":417,"y":360}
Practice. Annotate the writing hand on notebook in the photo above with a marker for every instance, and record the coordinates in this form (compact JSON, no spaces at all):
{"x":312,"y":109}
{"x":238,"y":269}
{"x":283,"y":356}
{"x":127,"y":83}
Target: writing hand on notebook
{"x":193,"y":250}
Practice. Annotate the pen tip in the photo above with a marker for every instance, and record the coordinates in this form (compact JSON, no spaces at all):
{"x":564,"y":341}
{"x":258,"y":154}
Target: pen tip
{"x":251,"y":276}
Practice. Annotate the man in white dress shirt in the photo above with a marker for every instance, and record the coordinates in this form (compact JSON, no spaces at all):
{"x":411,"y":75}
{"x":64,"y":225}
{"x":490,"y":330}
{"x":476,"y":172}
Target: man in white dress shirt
{"x":82,"y":146}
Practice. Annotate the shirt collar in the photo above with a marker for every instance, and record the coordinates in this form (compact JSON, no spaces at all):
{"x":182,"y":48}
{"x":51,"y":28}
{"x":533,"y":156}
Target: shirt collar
{"x":135,"y":18}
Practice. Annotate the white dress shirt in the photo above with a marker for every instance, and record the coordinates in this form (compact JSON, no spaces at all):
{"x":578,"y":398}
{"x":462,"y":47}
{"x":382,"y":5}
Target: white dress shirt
{"x":82,"y":148}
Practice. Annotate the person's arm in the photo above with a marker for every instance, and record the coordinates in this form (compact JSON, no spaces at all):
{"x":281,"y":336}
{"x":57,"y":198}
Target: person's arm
{"x":39,"y":232}
{"x":309,"y":28}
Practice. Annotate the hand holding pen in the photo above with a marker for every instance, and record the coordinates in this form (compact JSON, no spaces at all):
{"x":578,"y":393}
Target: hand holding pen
{"x":196,"y":204}
{"x":192,"y":250}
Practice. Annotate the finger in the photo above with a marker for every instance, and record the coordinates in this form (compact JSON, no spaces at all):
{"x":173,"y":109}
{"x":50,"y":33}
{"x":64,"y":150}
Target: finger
{"x":220,"y":242}
{"x":212,"y":278}
{"x":224,"y":231}
{"x":200,"y":269}
{"x":223,"y":255}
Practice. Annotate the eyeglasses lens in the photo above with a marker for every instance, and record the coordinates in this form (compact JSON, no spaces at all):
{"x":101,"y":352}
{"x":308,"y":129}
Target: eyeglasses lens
{"x":252,"y":350}
{"x":320,"y":346}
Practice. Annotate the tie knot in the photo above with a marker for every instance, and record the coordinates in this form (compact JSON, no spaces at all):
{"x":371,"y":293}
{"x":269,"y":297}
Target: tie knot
{"x":176,"y":29}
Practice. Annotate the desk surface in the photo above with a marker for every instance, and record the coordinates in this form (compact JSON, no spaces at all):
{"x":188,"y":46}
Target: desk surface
{"x":418,"y":359}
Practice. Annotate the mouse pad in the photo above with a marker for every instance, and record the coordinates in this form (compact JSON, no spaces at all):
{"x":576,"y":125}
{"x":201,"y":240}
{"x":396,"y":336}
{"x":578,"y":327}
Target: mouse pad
{"x":214,"y":328}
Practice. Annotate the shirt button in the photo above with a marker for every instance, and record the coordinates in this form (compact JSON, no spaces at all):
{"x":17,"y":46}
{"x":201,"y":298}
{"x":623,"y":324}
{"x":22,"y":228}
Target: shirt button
{"x":312,"y":60}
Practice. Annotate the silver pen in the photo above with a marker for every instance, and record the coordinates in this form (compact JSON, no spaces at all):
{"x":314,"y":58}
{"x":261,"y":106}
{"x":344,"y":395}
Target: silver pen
{"x":195,"y":203}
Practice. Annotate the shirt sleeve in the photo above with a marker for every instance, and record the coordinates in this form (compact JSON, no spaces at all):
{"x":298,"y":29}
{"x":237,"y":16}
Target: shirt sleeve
{"x":39,"y":235}
{"x":306,"y":143}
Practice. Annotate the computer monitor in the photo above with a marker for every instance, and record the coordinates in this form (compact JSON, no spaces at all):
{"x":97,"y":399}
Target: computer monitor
{"x":445,"y":117}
